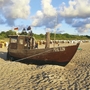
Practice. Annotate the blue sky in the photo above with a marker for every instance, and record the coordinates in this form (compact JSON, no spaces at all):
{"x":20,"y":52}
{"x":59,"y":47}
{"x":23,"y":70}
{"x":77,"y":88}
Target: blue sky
{"x":64,"y":16}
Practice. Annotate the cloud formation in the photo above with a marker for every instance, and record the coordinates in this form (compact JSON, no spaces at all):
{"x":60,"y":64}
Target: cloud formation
{"x":47,"y":16}
{"x":76,"y":14}
{"x":76,"y":8}
{"x":14,"y":9}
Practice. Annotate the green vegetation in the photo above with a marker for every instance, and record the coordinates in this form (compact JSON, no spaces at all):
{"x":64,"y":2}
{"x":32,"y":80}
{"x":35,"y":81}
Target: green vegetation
{"x":4,"y":35}
{"x":69,"y":37}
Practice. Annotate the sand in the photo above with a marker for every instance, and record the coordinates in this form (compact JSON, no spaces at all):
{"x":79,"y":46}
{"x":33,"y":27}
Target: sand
{"x":74,"y":76}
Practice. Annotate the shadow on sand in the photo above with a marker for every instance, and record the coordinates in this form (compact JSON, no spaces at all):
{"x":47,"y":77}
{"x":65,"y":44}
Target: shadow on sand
{"x":41,"y":62}
{"x":3,"y":55}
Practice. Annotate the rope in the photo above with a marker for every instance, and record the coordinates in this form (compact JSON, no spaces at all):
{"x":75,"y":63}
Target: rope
{"x":33,"y":55}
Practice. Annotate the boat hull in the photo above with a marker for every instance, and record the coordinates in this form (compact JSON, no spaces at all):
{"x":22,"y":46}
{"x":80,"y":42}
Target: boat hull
{"x":52,"y":55}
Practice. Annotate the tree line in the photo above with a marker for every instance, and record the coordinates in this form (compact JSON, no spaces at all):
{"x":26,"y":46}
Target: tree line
{"x":64,"y":36}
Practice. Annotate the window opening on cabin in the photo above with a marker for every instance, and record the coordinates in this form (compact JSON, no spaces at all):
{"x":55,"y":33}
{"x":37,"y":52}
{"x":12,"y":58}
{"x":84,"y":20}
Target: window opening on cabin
{"x":13,"y":43}
{"x":13,"y":40}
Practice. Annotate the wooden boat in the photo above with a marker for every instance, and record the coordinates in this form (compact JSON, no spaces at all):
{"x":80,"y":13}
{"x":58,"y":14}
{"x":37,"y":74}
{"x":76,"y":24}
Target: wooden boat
{"x":21,"y":50}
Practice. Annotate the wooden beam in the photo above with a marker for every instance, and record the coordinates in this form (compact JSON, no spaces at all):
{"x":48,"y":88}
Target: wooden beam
{"x":47,"y":40}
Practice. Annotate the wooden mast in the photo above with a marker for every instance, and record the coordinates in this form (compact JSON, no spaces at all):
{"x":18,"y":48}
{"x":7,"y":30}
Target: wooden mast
{"x":47,"y":40}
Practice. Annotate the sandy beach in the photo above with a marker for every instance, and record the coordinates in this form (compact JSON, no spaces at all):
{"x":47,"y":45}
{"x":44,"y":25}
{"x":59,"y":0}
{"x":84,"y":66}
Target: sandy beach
{"x":20,"y":76}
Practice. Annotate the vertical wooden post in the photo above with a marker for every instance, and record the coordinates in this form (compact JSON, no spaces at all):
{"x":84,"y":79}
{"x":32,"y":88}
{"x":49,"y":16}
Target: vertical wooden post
{"x":47,"y":40}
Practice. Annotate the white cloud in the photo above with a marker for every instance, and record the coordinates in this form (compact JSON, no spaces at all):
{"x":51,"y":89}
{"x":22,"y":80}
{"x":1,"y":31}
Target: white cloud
{"x":47,"y":16}
{"x":77,"y":14}
{"x":82,"y":25}
{"x":48,"y":9}
{"x":82,"y":29}
{"x":37,"y":19}
{"x":87,"y":26}
{"x":76,"y":8}
{"x":14,"y":9}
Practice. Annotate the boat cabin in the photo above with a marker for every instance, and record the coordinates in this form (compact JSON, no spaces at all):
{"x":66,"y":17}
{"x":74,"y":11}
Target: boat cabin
{"x":22,"y":42}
